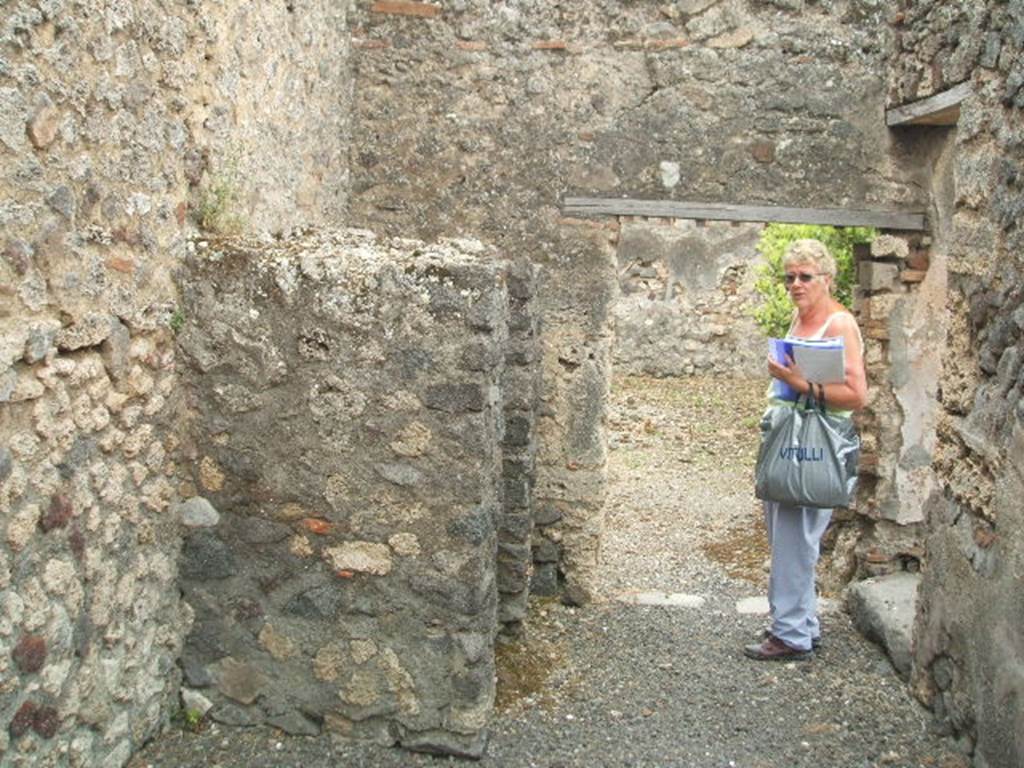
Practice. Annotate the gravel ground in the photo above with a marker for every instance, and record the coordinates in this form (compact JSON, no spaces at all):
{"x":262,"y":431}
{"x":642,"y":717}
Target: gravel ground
{"x":625,"y":684}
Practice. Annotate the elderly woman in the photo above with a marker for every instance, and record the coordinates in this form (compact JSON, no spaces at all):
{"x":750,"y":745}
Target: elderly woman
{"x":794,"y":533}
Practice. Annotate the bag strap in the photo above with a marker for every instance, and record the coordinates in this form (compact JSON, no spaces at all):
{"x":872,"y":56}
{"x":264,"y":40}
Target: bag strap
{"x":811,"y":401}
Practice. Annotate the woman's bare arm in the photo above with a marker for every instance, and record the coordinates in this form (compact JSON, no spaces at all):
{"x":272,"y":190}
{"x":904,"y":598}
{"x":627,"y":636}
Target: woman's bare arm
{"x":852,"y":393}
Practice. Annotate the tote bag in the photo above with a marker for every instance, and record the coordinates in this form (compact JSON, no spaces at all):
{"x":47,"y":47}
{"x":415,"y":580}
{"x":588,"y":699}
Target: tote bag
{"x":808,"y":457}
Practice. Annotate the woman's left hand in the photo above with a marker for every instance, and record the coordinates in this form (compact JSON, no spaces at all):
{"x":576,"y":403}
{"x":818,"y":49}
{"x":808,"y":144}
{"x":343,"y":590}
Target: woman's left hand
{"x":789,"y":373}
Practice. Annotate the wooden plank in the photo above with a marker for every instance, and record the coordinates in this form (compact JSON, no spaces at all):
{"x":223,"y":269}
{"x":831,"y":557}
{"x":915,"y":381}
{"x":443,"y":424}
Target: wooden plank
{"x":940,"y":109}
{"x":405,"y":8}
{"x":837,"y":217}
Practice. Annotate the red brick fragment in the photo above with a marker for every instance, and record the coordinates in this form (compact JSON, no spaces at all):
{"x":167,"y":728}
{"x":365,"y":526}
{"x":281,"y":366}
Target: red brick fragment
{"x":30,"y":653}
{"x":58,"y":514}
{"x":22,"y":720}
{"x":179,"y":213}
{"x":314,"y":525}
{"x":913,"y":275}
{"x":345,"y":574}
{"x":76,"y":541}
{"x":984,"y":537}
{"x":875,"y":556}
{"x":121,"y":265}
{"x":763,"y":151}
{"x":400,"y":8}
{"x":45,"y":722}
{"x":918,"y":259}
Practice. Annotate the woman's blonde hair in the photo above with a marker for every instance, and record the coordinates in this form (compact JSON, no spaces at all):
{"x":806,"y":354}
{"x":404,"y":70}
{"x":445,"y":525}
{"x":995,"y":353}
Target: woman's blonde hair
{"x":810,"y":251}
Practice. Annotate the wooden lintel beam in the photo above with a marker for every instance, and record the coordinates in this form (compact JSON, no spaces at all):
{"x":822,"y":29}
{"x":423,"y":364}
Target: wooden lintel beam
{"x":940,"y":109}
{"x":836,"y":217}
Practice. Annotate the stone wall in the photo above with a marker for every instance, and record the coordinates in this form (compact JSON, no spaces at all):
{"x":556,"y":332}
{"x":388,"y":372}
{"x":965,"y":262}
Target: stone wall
{"x":686,"y":297}
{"x":269,"y":104}
{"x":900,"y":304}
{"x":112,"y":119}
{"x":475,"y":117}
{"x":969,"y":645}
{"x":347,"y":423}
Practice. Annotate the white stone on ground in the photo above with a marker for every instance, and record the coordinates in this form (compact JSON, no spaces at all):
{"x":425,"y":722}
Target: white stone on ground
{"x":664,"y":599}
{"x":883,"y":610}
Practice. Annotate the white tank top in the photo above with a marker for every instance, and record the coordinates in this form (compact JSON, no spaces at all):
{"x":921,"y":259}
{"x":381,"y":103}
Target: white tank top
{"x":820,"y":333}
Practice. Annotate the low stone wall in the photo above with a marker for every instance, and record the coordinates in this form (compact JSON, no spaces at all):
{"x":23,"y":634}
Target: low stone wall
{"x":685,"y":299}
{"x":347,"y":425}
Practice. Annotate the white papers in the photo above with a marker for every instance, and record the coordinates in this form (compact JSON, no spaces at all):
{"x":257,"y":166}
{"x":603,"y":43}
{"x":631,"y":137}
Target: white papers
{"x":821,"y":361}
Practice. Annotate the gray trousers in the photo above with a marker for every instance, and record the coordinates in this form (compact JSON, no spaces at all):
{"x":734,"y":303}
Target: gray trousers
{"x":794,"y":534}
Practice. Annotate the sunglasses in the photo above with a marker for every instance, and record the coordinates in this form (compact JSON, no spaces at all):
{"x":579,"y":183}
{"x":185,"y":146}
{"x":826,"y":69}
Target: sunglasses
{"x":803,"y":277}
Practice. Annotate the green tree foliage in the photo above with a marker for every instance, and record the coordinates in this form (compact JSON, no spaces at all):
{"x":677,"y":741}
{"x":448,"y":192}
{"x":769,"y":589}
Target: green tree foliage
{"x":775,"y":311}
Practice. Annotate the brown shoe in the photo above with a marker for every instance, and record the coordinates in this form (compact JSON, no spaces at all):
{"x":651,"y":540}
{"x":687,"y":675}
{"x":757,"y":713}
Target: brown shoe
{"x":773,"y":649}
{"x":815,"y":641}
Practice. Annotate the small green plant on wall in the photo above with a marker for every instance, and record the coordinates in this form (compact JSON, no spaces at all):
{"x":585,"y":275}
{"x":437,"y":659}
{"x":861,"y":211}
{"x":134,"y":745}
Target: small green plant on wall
{"x":220,"y":196}
{"x":189,"y":719}
{"x":176,"y":321}
{"x":775,"y":310}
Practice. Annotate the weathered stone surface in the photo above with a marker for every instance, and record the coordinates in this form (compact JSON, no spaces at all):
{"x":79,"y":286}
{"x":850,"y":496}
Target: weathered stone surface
{"x":43,"y":125}
{"x":888,"y":245}
{"x":380,"y":524}
{"x":883,"y":609}
{"x":455,"y":398}
{"x":294,"y":724}
{"x":236,"y":716}
{"x":30,"y":653}
{"x":197,"y":512}
{"x":101,"y":169}
{"x":360,"y":557}
{"x":206,"y":556}
{"x":318,"y":602}
{"x":87,"y":332}
{"x":6,"y":463}
{"x":678,"y":285}
{"x":58,"y":514}
{"x":278,"y":645}
{"x":877,"y":276}
{"x":445,"y":743}
{"x":194,"y":701}
{"x":238,"y":680}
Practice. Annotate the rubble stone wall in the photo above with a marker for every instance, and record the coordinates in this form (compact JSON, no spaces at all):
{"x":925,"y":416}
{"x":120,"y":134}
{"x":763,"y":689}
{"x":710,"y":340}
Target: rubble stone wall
{"x":969,"y":645}
{"x":347,"y":423}
{"x":686,"y":297}
{"x":113,"y":119}
{"x":475,"y":117}
{"x":900,"y":305}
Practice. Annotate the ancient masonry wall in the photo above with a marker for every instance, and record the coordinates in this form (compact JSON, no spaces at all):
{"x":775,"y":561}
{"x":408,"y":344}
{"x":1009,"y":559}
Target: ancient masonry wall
{"x":686,"y":297}
{"x":112,"y":119}
{"x":347,"y":424}
{"x":478,"y":118}
{"x":900,"y":305}
{"x":969,"y":642}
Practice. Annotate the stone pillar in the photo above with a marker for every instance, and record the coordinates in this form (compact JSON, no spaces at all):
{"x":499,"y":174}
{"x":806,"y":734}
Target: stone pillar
{"x":576,"y":295}
{"x":346,"y":422}
{"x":519,"y":448}
{"x":900,"y":301}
